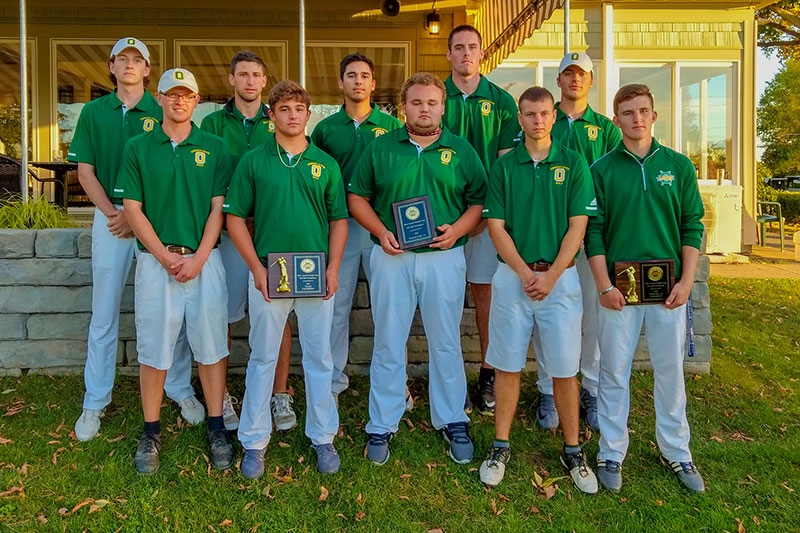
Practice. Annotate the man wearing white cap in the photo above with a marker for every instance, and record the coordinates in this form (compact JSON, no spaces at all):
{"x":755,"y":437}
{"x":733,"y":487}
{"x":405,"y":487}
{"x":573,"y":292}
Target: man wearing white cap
{"x":173,"y":183}
{"x":104,"y":126}
{"x":592,"y":135}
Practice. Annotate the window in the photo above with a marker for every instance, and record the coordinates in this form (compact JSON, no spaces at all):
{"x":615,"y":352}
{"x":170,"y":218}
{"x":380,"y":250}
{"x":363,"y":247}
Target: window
{"x":10,"y":112}
{"x":516,"y":76}
{"x":658,"y":77}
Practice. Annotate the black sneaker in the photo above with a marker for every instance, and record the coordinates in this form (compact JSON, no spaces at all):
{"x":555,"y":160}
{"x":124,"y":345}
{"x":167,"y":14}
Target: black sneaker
{"x":146,"y":458}
{"x":221,"y":449}
{"x":580,"y":472}
{"x":457,"y":436}
{"x":486,"y":389}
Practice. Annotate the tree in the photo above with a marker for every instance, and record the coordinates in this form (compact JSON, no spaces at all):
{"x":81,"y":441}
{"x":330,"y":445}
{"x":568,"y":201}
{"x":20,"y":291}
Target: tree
{"x":777,"y":121}
{"x":779,"y":29}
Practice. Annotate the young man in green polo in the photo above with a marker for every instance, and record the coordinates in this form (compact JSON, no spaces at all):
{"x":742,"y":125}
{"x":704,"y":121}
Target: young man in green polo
{"x":591,"y":134}
{"x":539,"y":201}
{"x":173,"y":182}
{"x":294,"y":192}
{"x":486,"y":116}
{"x":648,"y":207}
{"x":422,"y":159}
{"x":344,"y":135}
{"x":244,"y":123}
{"x":104,"y":126}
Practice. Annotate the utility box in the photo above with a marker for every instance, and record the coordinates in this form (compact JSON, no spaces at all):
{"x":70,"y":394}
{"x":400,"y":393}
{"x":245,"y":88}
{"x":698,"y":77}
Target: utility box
{"x":723,"y":218}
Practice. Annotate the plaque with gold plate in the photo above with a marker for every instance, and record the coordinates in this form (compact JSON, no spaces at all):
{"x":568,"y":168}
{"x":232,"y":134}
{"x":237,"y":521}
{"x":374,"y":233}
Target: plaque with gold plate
{"x":296,"y":275}
{"x":413,"y":219}
{"x":645,"y":282}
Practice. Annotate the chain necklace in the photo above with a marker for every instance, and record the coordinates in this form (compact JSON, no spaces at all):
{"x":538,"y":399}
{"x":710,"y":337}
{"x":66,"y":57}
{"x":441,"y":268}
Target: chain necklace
{"x":299,"y":156}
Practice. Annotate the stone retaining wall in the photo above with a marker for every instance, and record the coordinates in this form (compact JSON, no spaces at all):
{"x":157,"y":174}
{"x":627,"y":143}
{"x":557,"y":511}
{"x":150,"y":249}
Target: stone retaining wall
{"x":46,"y":302}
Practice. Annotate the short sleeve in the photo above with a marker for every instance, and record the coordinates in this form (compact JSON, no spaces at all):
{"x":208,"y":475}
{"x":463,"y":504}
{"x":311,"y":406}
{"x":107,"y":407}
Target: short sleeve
{"x":129,"y":179}
{"x":509,"y":125}
{"x":208,"y":124}
{"x":594,"y":240}
{"x":581,"y":191}
{"x":363,"y":181}
{"x":334,"y":194}
{"x":496,"y":193}
{"x":613,"y":136}
{"x":222,"y":172}
{"x":241,"y":191}
{"x":81,"y":149}
{"x":475,"y":193}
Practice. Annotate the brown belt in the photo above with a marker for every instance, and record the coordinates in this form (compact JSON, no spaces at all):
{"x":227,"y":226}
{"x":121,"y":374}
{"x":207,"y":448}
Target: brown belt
{"x":180,"y":250}
{"x":544,"y":267}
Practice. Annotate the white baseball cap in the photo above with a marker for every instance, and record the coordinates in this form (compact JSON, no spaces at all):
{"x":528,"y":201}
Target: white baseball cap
{"x":177,"y":77}
{"x":131,"y":42}
{"x":578,"y":59}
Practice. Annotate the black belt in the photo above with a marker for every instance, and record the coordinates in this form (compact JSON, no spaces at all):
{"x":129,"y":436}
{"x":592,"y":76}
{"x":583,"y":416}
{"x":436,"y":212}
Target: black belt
{"x":180,"y":250}
{"x":541,"y":266}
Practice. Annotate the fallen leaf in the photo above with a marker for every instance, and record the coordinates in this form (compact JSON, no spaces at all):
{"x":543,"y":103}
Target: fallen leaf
{"x":785,"y":486}
{"x":623,"y":499}
{"x":12,"y":490}
{"x":226,"y":522}
{"x":340,"y":515}
{"x":255,"y":528}
{"x":435,"y":530}
{"x":41,"y":519}
{"x":85,"y":502}
{"x":550,"y":491}
{"x":739,"y":526}
{"x":359,"y":516}
{"x":323,"y":494}
{"x":55,"y":455}
{"x":49,"y":442}
{"x":210,"y":527}
{"x":93,"y":508}
{"x":358,"y":499}
{"x":301,"y":459}
{"x":717,"y":439}
{"x":503,"y":497}
{"x":8,"y":391}
{"x":63,"y":510}
{"x":5,"y":441}
{"x":116,"y":439}
{"x":659,"y":502}
{"x":23,"y":470}
{"x":405,"y":476}
{"x":402,"y":497}
{"x":535,"y":509}
{"x":756,"y":520}
{"x":283,"y":445}
{"x":248,"y":505}
{"x":569,"y":495}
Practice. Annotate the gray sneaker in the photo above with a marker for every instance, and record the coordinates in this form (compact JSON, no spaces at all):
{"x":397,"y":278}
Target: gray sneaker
{"x":221,"y":449}
{"x":457,"y":436}
{"x":229,"y":416}
{"x":327,"y":458}
{"x":192,"y":410}
{"x":589,"y":408}
{"x":282,"y":413}
{"x":609,"y":474}
{"x":253,"y":464}
{"x":686,"y":473}
{"x":493,"y":468}
{"x":583,"y":477}
{"x":88,"y":424}
{"x":146,"y":458}
{"x":378,"y":447}
{"x":546,"y":413}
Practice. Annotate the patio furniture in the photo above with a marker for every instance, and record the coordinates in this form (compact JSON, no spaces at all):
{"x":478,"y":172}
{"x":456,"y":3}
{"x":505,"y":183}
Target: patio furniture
{"x":61,"y":170}
{"x":769,"y":212}
{"x":10,"y":170}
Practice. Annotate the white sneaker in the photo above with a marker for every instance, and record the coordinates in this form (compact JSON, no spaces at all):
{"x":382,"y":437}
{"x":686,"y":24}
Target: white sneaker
{"x":409,"y":401}
{"x":282,"y":413}
{"x":494,"y":467}
{"x":580,"y":472}
{"x":192,"y":410}
{"x":88,"y":424}
{"x":229,"y":413}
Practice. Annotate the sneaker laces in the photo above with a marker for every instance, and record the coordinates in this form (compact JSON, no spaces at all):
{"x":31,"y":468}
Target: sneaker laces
{"x":282,"y":404}
{"x":578,"y":460}
{"x":496,"y":456}
{"x":457,"y":433}
{"x":547,"y":403}
{"x":589,"y":401}
{"x":218,"y":438}
{"x":149,"y":443}
{"x":90,"y":414}
{"x":612,"y":466}
{"x":379,"y":439}
{"x":486,"y":386}
{"x":689,"y":468}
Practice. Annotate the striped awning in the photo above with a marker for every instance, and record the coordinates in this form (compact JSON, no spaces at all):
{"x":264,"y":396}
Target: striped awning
{"x":505,"y":24}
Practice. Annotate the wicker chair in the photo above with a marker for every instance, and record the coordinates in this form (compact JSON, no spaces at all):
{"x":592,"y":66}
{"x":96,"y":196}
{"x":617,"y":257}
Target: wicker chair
{"x":10,"y":170}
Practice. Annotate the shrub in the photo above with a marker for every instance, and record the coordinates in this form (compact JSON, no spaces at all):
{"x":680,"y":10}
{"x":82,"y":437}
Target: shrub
{"x":38,"y":213}
{"x":790,"y":206}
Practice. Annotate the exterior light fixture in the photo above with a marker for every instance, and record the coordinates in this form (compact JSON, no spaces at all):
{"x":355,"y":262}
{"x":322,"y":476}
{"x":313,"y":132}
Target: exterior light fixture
{"x":433,"y":22}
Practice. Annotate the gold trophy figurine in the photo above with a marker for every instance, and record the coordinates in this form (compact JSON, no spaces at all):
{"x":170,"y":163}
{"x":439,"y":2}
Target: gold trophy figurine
{"x":283,"y":283}
{"x":630,"y":296}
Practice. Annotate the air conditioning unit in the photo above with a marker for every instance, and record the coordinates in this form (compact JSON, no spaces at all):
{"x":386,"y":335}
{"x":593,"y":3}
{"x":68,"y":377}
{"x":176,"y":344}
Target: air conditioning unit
{"x":723,"y":218}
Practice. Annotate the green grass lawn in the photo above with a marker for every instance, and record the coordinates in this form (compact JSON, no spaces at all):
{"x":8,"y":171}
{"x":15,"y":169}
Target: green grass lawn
{"x":745,"y":440}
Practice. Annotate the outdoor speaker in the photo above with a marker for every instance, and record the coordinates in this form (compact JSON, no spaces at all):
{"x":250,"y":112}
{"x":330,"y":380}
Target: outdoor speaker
{"x":390,"y":8}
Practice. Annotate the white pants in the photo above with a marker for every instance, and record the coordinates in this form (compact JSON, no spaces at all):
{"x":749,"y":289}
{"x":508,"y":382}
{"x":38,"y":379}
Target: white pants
{"x":267,"y":321}
{"x":590,"y":348}
{"x":513,"y":315}
{"x":435,"y":281}
{"x":356,"y":253}
{"x":165,"y":306}
{"x":481,"y":257}
{"x":236,"y":273}
{"x":666,"y":334}
{"x":111,"y":263}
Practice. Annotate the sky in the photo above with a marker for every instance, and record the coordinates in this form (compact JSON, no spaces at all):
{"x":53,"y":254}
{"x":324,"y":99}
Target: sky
{"x":766,"y":68}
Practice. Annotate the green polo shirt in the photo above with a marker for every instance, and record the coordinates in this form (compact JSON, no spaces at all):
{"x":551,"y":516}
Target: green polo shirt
{"x":102,"y":131}
{"x":393,"y":169}
{"x":175,"y":185}
{"x":291,"y":206}
{"x":486,"y":118}
{"x":647,"y":208}
{"x":536,"y":199}
{"x":241,"y":134}
{"x":340,"y":136}
{"x":592,"y":135}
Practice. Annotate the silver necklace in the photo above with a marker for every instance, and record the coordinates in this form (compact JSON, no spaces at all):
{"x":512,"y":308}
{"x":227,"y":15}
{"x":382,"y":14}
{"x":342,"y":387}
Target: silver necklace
{"x":299,"y":156}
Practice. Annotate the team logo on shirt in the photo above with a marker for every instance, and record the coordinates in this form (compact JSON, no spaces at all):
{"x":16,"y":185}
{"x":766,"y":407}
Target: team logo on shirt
{"x":592,"y":205}
{"x":592,"y":132}
{"x":665,"y":177}
{"x":316,"y":170}
{"x":447,"y":155}
{"x":486,"y":107}
{"x":271,"y":127}
{"x":200,"y":156}
{"x":560,"y":174}
{"x":379,"y":131}
{"x":148,"y":123}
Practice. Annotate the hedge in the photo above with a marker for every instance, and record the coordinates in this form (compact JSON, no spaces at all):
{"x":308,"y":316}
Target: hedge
{"x":790,"y":206}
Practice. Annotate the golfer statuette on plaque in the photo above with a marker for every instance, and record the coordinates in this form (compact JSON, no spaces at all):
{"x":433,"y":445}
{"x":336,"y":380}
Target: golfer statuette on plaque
{"x":645,"y":282}
{"x":413,"y":219}
{"x":296,"y":275}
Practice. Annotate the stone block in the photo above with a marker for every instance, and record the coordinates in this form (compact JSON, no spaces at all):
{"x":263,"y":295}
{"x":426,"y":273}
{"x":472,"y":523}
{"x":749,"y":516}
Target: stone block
{"x":42,"y":353}
{"x":127,"y":326}
{"x":468,"y":326}
{"x":240,"y":353}
{"x":12,"y":327}
{"x":358,"y":370}
{"x":703,"y":268}
{"x":10,"y":372}
{"x":361,"y":322}
{"x":30,"y":299}
{"x":702,"y":349}
{"x":700,"y":297}
{"x":57,"y":371}
{"x":126,"y":305}
{"x":73,"y":326}
{"x":17,"y":243}
{"x":43,"y":271}
{"x":57,"y":242}
{"x":84,"y":242}
{"x":702,"y":321}
{"x":361,"y":296}
{"x":361,"y":350}
{"x":241,"y":328}
{"x":417,"y":328}
{"x":131,"y":356}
